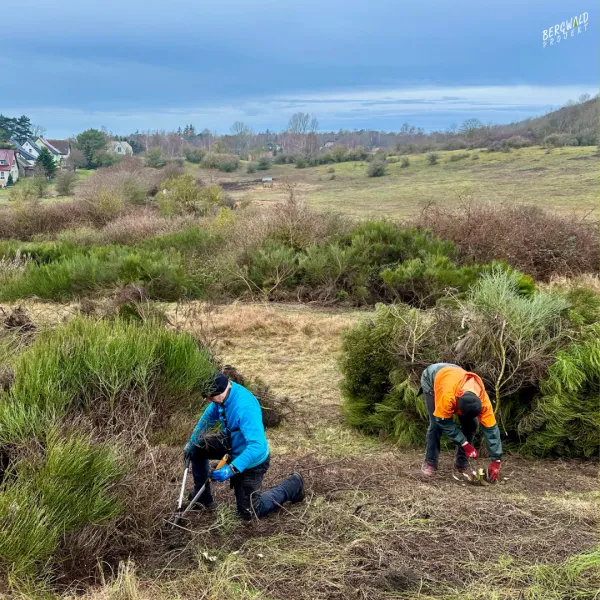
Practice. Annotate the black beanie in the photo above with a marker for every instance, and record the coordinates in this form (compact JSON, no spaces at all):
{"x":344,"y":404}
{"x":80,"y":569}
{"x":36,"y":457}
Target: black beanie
{"x":469,"y":405}
{"x":219,"y":385}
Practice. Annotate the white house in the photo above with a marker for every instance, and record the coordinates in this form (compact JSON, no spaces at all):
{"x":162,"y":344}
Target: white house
{"x":8,"y":166}
{"x":60,"y":149}
{"x":120,"y":148}
{"x":30,"y":147}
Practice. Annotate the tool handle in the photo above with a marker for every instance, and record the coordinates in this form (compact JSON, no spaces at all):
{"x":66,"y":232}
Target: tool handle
{"x":182,"y":492}
{"x":222,"y":462}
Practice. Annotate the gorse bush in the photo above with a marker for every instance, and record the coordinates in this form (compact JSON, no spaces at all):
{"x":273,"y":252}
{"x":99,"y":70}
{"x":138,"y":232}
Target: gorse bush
{"x":194,"y":155}
{"x":565,"y":419}
{"x":83,"y":399}
{"x":223,"y":162}
{"x":84,"y":272}
{"x":263,"y":164}
{"x":520,"y":342}
{"x":377,"y":168}
{"x":459,"y":156}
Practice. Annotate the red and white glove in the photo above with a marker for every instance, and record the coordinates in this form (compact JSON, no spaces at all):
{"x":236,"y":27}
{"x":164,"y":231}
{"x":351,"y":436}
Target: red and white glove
{"x":470,"y":451}
{"x":494,"y":471}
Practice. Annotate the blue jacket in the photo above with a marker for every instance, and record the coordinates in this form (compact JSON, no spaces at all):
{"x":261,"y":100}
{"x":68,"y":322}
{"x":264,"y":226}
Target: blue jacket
{"x":240,"y":416}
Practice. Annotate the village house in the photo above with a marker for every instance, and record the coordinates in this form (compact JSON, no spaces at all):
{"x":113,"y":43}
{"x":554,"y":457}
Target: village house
{"x":8,"y":167}
{"x":30,"y":147}
{"x":25,"y":160}
{"x":120,"y":148}
{"x":60,"y":149}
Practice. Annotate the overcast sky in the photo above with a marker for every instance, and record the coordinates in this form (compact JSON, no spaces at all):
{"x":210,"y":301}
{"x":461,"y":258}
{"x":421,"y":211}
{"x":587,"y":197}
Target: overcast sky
{"x":145,"y":64}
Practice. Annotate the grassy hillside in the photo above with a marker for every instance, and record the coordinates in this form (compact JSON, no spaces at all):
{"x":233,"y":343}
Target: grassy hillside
{"x":564,"y":179}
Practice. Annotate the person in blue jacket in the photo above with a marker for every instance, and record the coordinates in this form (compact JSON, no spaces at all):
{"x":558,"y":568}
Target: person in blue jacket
{"x":242,"y":437}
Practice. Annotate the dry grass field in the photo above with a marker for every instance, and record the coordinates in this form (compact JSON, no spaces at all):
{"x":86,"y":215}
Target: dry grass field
{"x":563,"y":179}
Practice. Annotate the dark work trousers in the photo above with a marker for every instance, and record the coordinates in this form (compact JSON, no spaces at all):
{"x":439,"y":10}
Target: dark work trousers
{"x":434,"y":435}
{"x":249,"y":499}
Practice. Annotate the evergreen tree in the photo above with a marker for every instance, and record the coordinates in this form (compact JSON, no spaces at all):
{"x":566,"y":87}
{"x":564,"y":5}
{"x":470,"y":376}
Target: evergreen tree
{"x":22,"y":129}
{"x":46,"y":163}
{"x":19,"y":128}
{"x":10,"y":180}
{"x":90,"y":142}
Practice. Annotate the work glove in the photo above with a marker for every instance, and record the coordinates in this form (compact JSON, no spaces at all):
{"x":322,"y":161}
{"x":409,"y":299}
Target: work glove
{"x":222,"y":474}
{"x":188,"y":451}
{"x":494,"y":471}
{"x":470,"y":451}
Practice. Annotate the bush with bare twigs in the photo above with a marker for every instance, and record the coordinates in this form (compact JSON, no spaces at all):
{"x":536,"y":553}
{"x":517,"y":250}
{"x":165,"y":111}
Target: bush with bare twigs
{"x":539,"y":243}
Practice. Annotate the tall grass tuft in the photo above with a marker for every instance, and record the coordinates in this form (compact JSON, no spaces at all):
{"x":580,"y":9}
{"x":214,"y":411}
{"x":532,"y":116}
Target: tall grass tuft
{"x":84,"y":399}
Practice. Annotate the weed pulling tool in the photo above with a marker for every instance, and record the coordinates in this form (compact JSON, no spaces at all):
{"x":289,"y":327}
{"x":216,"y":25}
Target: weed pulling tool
{"x":185,"y":474}
{"x":189,"y":507}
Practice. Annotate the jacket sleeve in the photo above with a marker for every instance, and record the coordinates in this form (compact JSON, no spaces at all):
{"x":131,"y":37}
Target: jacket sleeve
{"x":209,"y":417}
{"x":492,"y":436}
{"x":251,"y":427}
{"x":451,"y":429}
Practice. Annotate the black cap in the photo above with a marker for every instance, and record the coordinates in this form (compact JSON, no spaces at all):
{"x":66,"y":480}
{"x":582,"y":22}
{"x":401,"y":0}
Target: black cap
{"x":219,"y":385}
{"x":469,"y":405}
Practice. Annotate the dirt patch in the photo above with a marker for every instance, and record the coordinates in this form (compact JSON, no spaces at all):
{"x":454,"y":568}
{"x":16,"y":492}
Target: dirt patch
{"x":239,"y":186}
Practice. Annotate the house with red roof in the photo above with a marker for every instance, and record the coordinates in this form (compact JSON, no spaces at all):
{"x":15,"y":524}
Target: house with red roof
{"x":8,"y":166}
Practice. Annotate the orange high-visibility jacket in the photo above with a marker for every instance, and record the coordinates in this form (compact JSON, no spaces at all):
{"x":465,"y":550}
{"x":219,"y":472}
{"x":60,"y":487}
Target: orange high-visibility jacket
{"x":452,"y":382}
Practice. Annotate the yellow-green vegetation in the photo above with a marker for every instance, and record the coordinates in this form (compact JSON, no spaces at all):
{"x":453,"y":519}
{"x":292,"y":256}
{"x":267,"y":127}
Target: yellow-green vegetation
{"x":564,"y":179}
{"x":50,"y":196}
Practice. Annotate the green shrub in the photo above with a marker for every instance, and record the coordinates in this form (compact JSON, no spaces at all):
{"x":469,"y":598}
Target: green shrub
{"x":251,"y":168}
{"x":517,"y":141}
{"x":23,"y":193}
{"x":432,"y":158}
{"x":66,"y":369}
{"x":223,"y":162}
{"x":405,"y":162}
{"x":40,"y":186}
{"x":273,"y":268}
{"x":558,"y":140}
{"x":134,"y":191}
{"x":502,"y":331}
{"x":423,"y":281}
{"x":459,"y":156}
{"x":85,"y":272}
{"x":61,"y":480}
{"x":155,"y":158}
{"x":194,"y":155}
{"x":377,"y":168}
{"x":565,"y":419}
{"x":65,"y":183}
{"x":263,"y":164}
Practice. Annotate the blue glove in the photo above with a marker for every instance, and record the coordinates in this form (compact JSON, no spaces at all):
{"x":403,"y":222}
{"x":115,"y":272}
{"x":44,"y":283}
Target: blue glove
{"x":222,"y":474}
{"x":188,"y":451}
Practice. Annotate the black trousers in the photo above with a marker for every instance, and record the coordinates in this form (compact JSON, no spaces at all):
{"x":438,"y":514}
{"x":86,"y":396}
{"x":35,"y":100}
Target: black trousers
{"x":434,"y":435}
{"x":249,"y":499}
